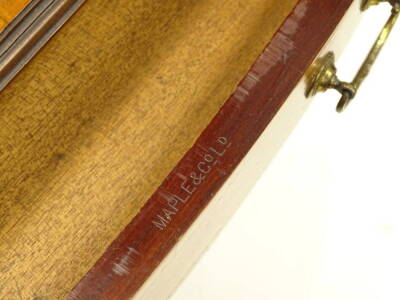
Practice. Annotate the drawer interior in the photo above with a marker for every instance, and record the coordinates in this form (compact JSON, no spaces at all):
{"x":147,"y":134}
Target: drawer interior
{"x":92,"y":126}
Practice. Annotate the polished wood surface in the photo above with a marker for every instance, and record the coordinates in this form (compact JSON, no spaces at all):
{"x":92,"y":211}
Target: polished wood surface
{"x":133,"y":260}
{"x":9,"y":9}
{"x":94,"y":124}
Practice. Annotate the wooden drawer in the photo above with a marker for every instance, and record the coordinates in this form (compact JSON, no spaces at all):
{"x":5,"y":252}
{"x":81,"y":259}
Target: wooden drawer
{"x":133,"y":135}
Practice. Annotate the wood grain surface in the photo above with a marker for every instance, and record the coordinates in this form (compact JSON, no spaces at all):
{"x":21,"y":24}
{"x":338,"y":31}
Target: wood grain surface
{"x":94,"y":124}
{"x":9,"y":9}
{"x":136,"y":255}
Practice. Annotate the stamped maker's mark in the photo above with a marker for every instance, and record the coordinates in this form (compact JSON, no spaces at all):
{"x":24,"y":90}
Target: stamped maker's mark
{"x":190,"y":182}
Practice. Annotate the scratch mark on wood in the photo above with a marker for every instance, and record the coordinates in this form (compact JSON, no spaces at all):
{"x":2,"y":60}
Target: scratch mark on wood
{"x":122,"y":267}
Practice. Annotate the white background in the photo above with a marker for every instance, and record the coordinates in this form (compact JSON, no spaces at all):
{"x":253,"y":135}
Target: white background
{"x":323,"y":223}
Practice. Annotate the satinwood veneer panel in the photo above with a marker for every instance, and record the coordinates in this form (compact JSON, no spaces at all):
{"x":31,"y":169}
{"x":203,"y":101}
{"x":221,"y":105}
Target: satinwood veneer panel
{"x":9,"y":9}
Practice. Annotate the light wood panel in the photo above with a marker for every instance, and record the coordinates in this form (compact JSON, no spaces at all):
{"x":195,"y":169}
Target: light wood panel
{"x":9,"y":9}
{"x":3,"y":24}
{"x":93,"y":125}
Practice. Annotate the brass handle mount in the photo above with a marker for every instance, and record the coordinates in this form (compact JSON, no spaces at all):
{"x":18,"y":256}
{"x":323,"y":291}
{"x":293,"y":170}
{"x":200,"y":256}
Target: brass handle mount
{"x":323,"y":74}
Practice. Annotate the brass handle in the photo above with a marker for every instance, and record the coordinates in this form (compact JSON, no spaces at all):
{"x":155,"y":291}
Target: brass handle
{"x":323,"y":74}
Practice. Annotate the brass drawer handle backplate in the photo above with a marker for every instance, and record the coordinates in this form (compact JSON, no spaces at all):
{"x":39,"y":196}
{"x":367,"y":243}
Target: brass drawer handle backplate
{"x":323,"y":74}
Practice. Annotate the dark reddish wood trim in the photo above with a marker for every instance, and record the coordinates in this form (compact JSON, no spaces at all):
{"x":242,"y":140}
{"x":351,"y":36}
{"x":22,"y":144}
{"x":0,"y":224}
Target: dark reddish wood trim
{"x":139,"y":249}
